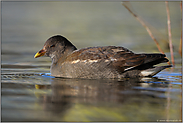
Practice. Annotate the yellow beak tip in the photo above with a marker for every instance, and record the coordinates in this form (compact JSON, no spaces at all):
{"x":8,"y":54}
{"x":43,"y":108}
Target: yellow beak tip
{"x":36,"y":56}
{"x":39,"y":54}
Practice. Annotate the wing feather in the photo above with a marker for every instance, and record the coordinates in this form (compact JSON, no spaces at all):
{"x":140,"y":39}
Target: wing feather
{"x":117,"y":59}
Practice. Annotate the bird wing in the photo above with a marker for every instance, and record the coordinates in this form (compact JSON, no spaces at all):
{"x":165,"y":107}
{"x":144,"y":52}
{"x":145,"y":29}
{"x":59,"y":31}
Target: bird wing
{"x":118,"y":58}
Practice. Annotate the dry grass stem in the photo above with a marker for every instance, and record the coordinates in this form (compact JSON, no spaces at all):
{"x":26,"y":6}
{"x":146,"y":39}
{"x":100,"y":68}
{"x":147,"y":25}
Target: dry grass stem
{"x":169,"y":33}
{"x":180,"y":45}
{"x":146,"y":27}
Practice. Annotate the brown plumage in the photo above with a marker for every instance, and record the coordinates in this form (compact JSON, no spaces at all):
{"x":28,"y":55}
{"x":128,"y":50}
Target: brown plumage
{"x":98,"y":62}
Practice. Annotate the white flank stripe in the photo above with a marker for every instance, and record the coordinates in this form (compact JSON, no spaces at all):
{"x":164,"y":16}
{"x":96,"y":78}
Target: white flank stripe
{"x":112,"y":59}
{"x":129,"y":68}
{"x":75,"y":61}
{"x":107,"y":60}
{"x":92,"y":61}
{"x":146,"y":73}
{"x":85,"y":61}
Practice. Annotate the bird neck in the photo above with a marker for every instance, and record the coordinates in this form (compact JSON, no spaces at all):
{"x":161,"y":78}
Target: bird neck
{"x":62,"y":55}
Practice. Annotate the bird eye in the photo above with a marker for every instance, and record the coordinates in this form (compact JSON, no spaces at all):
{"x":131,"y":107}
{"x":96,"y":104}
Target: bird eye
{"x":52,"y":45}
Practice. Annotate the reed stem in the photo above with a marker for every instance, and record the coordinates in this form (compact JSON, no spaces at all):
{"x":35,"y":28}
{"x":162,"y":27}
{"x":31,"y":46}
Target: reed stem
{"x":146,"y":27}
{"x":180,"y":45}
{"x":169,"y":32}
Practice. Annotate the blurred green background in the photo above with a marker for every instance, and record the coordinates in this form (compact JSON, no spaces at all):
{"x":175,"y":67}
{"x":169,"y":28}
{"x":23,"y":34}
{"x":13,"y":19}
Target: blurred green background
{"x":27,"y":25}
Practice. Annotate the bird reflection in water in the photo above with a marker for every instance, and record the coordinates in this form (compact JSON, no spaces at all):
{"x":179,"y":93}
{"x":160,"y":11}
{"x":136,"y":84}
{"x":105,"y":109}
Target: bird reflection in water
{"x":65,"y":93}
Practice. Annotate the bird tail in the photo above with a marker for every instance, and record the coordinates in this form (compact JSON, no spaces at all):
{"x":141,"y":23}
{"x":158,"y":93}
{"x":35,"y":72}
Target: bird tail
{"x":153,"y":71}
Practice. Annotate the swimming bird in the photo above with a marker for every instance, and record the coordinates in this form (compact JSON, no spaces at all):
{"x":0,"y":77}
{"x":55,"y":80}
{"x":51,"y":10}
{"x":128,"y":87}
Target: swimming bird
{"x":98,"y":62}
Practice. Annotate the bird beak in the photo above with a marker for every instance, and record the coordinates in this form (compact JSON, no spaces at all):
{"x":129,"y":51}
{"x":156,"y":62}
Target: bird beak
{"x":40,"y":53}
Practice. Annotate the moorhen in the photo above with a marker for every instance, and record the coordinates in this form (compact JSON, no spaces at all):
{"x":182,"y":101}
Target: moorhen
{"x":98,"y":62}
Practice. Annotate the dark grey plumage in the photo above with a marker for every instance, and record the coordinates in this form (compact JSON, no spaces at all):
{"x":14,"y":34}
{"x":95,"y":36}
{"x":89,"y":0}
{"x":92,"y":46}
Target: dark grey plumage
{"x":98,"y":62}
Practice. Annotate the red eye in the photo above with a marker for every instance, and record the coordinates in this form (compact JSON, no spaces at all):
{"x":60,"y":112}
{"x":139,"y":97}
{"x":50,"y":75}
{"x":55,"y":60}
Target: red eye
{"x":52,"y":45}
